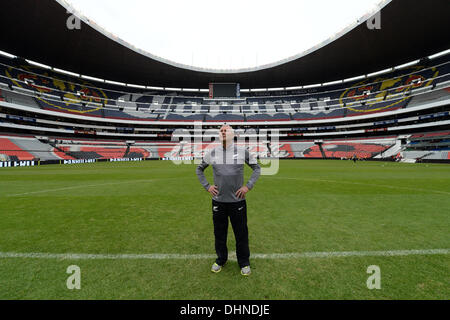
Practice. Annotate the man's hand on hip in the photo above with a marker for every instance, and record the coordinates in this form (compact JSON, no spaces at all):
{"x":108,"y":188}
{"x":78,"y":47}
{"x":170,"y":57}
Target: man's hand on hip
{"x":242,"y":192}
{"x":213,"y":190}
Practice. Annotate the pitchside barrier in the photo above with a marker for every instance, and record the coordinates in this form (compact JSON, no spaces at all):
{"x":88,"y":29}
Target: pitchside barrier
{"x":34,"y":163}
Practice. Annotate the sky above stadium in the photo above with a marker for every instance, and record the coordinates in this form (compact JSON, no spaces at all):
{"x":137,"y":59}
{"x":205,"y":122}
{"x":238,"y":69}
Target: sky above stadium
{"x":231,"y":34}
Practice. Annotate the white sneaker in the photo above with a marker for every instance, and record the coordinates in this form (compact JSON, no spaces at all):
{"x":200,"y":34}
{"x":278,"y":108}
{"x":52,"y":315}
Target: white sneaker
{"x":216,"y":268}
{"x":246,"y":271}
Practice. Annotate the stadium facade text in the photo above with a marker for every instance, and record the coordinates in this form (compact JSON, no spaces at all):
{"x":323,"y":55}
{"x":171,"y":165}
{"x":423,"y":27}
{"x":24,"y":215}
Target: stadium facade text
{"x":125,"y":159}
{"x":77,"y":161}
{"x":178,"y":158}
{"x":7,"y":164}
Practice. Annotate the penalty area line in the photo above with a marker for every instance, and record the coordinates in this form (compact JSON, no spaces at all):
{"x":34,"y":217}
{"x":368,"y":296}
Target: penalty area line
{"x":175,"y":256}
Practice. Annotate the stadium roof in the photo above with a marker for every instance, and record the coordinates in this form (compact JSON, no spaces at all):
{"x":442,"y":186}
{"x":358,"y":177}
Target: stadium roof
{"x":410,"y":30}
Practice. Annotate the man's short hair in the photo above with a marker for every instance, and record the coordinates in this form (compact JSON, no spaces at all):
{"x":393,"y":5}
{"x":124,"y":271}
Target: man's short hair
{"x":227,"y":125}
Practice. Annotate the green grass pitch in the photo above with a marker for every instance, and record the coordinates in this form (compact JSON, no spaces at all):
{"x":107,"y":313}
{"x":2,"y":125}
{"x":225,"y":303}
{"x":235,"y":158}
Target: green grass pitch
{"x":159,"y":207}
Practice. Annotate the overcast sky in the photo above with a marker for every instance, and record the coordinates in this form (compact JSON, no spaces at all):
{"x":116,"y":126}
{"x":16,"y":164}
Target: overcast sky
{"x":225,"y":34}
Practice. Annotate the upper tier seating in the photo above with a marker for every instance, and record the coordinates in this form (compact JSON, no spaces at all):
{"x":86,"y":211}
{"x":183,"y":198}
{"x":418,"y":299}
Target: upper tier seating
{"x":36,"y":87}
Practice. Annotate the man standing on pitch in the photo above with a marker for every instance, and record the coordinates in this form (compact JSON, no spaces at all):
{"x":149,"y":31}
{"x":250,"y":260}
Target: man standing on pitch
{"x":228,"y":196}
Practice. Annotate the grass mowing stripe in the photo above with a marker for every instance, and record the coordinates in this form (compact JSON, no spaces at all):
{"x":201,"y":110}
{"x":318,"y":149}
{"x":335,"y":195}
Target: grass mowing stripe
{"x":174,"y":256}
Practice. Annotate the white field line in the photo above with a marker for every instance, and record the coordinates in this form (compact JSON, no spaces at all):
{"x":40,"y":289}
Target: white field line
{"x":79,"y":187}
{"x":87,"y":186}
{"x":363,"y":184}
{"x":175,"y":256}
{"x":65,"y":188}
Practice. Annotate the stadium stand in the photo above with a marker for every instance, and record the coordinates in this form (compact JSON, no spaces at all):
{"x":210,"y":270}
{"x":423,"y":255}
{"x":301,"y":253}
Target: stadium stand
{"x":99,"y":152}
{"x":9,"y":151}
{"x":49,"y":114}
{"x":57,"y":148}
{"x":40,"y":88}
{"x":346,"y":150}
{"x":434,"y":145}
